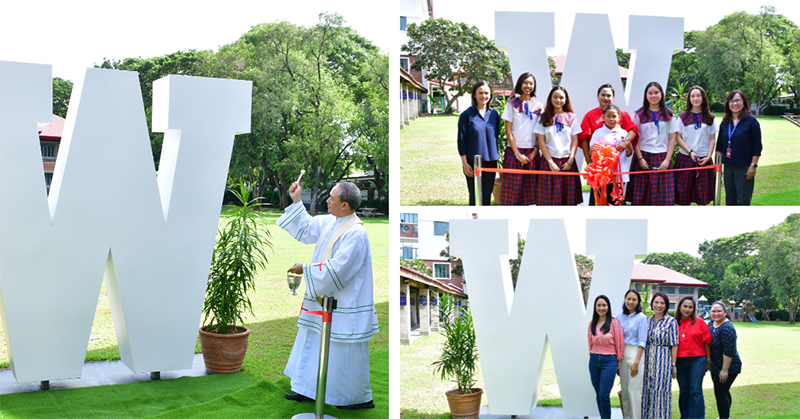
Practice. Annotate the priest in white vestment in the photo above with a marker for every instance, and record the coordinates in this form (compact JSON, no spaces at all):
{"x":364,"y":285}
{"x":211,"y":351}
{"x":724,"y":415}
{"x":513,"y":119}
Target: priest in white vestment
{"x":341,"y":267}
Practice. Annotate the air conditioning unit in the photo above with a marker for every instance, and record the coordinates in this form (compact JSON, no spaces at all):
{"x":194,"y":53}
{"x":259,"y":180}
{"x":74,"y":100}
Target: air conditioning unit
{"x":405,"y":228}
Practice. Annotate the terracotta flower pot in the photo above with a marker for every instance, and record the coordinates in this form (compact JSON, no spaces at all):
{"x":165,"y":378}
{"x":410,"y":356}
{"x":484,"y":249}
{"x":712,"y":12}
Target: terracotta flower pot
{"x":465,"y":406}
{"x":224,"y":354}
{"x":498,"y":190}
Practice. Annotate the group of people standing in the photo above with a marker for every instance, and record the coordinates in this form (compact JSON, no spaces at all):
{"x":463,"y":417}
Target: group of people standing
{"x":551,"y":137}
{"x":648,"y":352}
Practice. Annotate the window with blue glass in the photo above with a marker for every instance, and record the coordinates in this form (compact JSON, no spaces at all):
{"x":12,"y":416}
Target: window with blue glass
{"x":440,"y":227}
{"x":408,"y":252}
{"x":441,"y":270}
{"x":403,"y":23}
{"x":410,"y":218}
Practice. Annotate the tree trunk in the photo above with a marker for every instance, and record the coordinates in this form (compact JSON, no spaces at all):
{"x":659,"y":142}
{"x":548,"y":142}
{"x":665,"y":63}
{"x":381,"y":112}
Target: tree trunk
{"x":282,"y":190}
{"x":315,"y":191}
{"x":792,"y":314}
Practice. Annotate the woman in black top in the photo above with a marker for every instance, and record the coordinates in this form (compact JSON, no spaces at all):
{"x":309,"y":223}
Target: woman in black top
{"x":740,"y":143}
{"x":725,"y":362}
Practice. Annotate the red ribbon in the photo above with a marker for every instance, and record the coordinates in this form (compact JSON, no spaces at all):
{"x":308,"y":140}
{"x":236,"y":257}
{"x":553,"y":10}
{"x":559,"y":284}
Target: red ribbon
{"x":326,"y":315}
{"x":478,"y":171}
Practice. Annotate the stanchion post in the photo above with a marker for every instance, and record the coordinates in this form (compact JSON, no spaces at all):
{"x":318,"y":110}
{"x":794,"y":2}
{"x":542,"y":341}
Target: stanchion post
{"x":328,"y":305}
{"x":718,"y":190}
{"x":478,"y":178}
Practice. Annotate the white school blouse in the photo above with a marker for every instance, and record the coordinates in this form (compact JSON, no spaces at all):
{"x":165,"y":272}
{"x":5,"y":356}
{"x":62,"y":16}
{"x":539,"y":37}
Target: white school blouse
{"x":522,"y":125}
{"x":613,"y":137}
{"x":654,"y":139}
{"x":697,"y":138}
{"x":558,"y":142}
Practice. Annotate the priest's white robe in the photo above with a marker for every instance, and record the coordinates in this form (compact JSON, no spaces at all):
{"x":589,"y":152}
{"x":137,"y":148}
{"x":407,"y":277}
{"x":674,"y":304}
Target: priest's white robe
{"x":347,"y":276}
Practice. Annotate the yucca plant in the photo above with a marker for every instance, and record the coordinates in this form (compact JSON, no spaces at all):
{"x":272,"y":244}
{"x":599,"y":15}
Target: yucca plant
{"x":459,"y":357}
{"x":238,"y":255}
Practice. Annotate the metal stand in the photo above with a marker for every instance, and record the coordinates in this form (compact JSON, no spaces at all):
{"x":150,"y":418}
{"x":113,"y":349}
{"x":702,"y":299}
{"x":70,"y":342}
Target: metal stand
{"x":718,"y":162}
{"x":478,"y":177}
{"x":45,"y":385}
{"x":328,"y":305}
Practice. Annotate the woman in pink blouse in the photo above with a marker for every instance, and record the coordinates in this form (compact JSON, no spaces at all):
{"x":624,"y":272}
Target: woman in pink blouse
{"x":606,"y":348}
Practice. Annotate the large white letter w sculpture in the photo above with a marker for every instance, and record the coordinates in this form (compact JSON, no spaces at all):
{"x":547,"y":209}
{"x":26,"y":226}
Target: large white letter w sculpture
{"x":108,"y":214}
{"x":547,"y":306}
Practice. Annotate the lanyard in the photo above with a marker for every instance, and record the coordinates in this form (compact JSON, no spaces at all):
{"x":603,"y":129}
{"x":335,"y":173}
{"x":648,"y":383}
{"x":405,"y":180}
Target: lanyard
{"x":730,"y":136}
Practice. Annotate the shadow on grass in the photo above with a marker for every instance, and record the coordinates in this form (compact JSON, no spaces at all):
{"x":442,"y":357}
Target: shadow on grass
{"x":270,"y":343}
{"x":416,"y":414}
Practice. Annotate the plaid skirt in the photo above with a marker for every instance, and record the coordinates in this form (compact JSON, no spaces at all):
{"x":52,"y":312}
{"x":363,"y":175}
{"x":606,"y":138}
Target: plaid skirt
{"x":558,"y":189}
{"x":518,"y":189}
{"x":654,"y":188}
{"x":693,"y":186}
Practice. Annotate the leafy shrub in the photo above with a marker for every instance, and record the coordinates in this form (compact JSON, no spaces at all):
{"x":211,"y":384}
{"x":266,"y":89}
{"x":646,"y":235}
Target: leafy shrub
{"x":381,"y":205}
{"x":774,"y":110}
{"x":717,"y":107}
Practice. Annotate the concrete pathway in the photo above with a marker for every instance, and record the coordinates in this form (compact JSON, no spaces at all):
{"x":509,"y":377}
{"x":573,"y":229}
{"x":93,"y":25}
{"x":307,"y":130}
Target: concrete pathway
{"x":543,"y":412}
{"x":99,"y":374}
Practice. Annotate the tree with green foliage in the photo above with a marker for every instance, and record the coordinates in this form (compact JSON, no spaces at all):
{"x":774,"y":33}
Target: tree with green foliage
{"x":458,"y":268}
{"x":718,"y":254}
{"x":623,"y":58}
{"x":62,"y":91}
{"x":685,"y":69}
{"x":738,"y":53}
{"x":779,"y":248}
{"x":678,"y":261}
{"x":759,"y":292}
{"x":320,"y":104}
{"x":189,"y":63}
{"x":417,"y":265}
{"x":744,"y":269}
{"x":455,"y":53}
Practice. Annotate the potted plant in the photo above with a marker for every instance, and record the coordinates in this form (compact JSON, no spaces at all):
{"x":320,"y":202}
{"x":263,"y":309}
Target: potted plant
{"x":459,"y":359}
{"x":238,"y":254}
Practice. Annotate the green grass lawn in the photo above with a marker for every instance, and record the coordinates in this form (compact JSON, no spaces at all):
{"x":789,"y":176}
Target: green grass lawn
{"x":430,"y":168}
{"x":273,"y":322}
{"x":769,"y":385}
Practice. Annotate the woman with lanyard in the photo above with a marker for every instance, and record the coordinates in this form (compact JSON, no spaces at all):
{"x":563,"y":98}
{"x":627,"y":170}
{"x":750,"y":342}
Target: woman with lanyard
{"x":694,"y":358}
{"x":660,"y":356}
{"x":658,"y":132}
{"x":696,"y":142}
{"x":478,"y":128}
{"x":631,"y":372}
{"x":593,"y":120}
{"x":557,"y":136}
{"x":521,"y":116}
{"x":725,"y":362}
{"x":740,"y":143}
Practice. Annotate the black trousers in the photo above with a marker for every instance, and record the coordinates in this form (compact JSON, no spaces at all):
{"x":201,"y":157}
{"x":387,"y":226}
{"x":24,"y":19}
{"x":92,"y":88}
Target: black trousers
{"x":487,"y":184}
{"x":722,"y":392}
{"x":738,"y":190}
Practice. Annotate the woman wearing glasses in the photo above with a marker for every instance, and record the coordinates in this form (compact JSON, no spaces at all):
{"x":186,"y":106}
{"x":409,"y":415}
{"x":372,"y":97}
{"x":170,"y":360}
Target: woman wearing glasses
{"x":740,"y":143}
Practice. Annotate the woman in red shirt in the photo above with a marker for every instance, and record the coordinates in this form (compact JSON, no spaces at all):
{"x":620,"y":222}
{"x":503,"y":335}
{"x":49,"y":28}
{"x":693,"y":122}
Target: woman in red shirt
{"x":694,"y":359}
{"x":606,"y":348}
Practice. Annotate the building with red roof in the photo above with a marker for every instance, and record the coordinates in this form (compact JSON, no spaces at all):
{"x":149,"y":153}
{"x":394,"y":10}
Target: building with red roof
{"x":50,"y":141}
{"x":659,"y":278}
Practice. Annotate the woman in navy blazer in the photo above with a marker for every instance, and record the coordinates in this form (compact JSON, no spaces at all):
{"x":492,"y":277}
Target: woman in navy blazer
{"x":739,"y":140}
{"x":478,"y":128}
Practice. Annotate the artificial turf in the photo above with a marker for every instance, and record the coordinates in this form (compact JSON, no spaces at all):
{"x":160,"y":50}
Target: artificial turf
{"x":212,"y":396}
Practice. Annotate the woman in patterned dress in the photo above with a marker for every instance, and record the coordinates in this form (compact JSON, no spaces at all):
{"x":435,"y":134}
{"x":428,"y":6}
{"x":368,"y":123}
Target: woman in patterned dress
{"x":660,"y":358}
